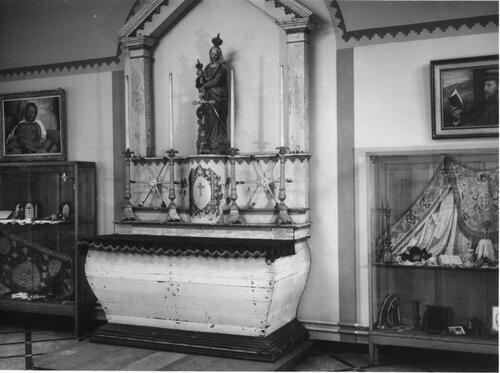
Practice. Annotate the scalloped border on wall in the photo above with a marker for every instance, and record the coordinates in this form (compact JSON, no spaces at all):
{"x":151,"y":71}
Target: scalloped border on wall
{"x":457,"y":26}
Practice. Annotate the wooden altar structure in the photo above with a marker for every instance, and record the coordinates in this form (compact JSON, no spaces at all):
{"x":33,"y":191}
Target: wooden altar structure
{"x":211,"y":254}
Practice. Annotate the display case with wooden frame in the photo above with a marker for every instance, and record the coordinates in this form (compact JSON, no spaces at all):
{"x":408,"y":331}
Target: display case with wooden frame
{"x":42,"y":268}
{"x":400,"y":197}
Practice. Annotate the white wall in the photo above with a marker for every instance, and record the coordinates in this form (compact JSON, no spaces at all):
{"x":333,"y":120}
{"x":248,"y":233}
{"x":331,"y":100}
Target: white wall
{"x":320,"y":300}
{"x":393,"y":111}
{"x":89,"y":111}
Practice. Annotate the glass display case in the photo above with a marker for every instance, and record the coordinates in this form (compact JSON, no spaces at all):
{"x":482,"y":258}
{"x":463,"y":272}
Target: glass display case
{"x":45,"y":208}
{"x":434,"y":251}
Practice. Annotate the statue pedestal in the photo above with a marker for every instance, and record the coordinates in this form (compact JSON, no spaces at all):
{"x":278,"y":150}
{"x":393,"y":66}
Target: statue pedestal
{"x":232,"y":291}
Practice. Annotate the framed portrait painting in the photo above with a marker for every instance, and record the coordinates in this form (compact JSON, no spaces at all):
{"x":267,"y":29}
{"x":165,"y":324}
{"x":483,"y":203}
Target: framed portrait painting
{"x":464,"y":97}
{"x":33,"y":126}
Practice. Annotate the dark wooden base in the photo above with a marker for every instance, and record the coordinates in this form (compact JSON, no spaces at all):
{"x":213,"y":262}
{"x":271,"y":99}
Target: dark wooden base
{"x":268,"y":348}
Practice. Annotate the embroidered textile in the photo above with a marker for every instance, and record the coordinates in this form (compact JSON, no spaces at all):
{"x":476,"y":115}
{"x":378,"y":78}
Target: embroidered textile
{"x":27,"y":266}
{"x":476,"y":198}
{"x":458,"y":204}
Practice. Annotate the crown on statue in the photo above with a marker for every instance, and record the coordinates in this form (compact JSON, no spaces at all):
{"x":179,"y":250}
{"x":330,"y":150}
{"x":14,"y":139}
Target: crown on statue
{"x":217,"y":41}
{"x":199,"y":65}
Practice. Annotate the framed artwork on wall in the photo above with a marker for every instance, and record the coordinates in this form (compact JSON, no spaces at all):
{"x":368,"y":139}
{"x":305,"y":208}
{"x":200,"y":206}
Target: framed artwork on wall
{"x":494,"y":320}
{"x":464,"y":97}
{"x":33,"y":126}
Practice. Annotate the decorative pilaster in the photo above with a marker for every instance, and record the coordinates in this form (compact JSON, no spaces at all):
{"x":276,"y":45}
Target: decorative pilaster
{"x":297,"y":39}
{"x":138,"y":66}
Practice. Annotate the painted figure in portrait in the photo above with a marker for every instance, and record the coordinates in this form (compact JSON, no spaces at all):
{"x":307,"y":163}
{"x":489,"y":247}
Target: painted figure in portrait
{"x":470,"y":97}
{"x":25,"y":130}
{"x":212,"y":86}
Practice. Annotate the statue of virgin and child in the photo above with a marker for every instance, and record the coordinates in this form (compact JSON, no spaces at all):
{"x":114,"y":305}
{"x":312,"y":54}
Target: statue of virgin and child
{"x":211,"y":83}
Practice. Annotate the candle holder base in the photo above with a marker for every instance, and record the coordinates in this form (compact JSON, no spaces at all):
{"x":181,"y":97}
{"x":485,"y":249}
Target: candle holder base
{"x":173,"y":216}
{"x":234,"y":210}
{"x":283,"y":218}
{"x":234,"y":214}
{"x":128,"y":211}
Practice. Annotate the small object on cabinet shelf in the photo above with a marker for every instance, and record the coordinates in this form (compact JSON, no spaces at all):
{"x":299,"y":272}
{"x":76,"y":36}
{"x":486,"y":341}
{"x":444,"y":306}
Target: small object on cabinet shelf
{"x":5,"y":214}
{"x":436,"y":319}
{"x":415,"y":254}
{"x":456,"y":330}
{"x":450,"y":260}
{"x":485,"y":254}
{"x":65,"y":211}
{"x":416,"y":325}
{"x":30,"y":211}
{"x":18,"y":211}
{"x":388,"y":314}
{"x":475,"y":327}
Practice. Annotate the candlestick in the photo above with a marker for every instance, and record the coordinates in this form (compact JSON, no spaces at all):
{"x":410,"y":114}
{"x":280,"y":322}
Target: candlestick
{"x":127,"y":130}
{"x":232,"y":109}
{"x":282,"y":121}
{"x":171,"y":111}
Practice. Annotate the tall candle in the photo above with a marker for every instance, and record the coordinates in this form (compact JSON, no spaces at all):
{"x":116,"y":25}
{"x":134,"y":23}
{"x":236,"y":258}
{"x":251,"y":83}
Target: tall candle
{"x":127,"y":130}
{"x":232,"y":109}
{"x":282,"y":121}
{"x":171,"y":111}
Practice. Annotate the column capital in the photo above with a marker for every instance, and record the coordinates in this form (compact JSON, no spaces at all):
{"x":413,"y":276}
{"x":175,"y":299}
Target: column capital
{"x":139,"y":46}
{"x":297,"y":25}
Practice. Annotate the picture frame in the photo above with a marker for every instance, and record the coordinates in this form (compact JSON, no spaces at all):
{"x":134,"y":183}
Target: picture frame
{"x":494,"y":319}
{"x":33,"y":126}
{"x":464,"y":97}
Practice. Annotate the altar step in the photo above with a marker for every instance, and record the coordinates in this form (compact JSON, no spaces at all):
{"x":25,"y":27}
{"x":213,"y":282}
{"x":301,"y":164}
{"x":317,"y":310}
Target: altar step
{"x":96,"y":356}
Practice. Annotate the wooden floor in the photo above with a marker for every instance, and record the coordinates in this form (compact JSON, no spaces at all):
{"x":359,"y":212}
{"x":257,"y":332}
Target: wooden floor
{"x":96,"y":356}
{"x":52,"y":344}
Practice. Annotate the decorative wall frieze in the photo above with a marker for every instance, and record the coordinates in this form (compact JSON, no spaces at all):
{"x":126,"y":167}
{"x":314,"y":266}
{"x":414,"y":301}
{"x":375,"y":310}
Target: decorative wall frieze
{"x":431,"y":29}
{"x":64,"y":68}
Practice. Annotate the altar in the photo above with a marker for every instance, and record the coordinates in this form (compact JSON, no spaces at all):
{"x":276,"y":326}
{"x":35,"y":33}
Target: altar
{"x":210,"y":253}
{"x":214,"y":295}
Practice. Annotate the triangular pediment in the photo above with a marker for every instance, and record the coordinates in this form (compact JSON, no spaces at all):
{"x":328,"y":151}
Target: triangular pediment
{"x":154,"y":17}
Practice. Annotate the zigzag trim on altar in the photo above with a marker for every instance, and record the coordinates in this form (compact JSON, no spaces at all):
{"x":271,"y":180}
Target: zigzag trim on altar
{"x":418,"y":28}
{"x":92,"y":64}
{"x":185,"y":246}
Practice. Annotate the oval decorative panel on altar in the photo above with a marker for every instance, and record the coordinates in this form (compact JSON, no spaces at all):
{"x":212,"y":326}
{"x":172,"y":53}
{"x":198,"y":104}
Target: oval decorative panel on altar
{"x":207,"y":179}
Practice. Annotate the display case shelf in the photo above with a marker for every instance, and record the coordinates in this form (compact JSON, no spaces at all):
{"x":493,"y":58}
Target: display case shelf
{"x":419,"y":339}
{"x":438,"y":268}
{"x":41,"y":265}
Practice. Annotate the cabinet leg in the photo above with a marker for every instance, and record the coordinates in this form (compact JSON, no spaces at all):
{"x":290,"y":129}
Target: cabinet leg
{"x":28,"y":352}
{"x":374,"y":353}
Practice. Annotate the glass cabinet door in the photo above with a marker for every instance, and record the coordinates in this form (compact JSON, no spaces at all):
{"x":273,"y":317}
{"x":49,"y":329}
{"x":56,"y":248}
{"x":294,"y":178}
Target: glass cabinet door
{"x":44,"y":209}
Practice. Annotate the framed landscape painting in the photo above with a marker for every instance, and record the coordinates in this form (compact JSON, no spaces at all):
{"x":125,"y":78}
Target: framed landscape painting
{"x":464,"y":97}
{"x":33,"y":126}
